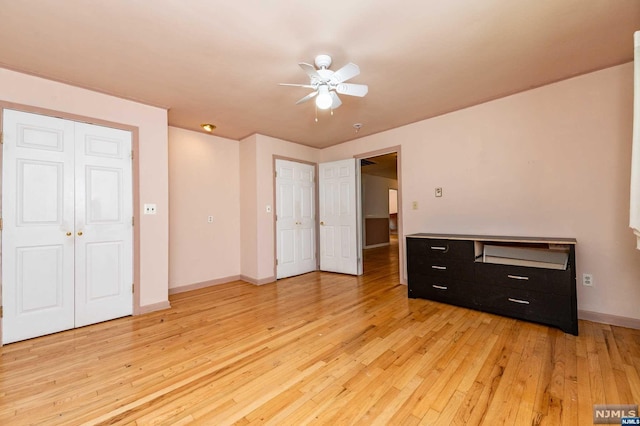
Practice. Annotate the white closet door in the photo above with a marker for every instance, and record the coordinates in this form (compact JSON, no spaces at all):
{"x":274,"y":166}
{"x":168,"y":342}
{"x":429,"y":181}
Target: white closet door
{"x":38,"y":218}
{"x":103,"y":228}
{"x":295,"y":224}
{"x":67,"y":242}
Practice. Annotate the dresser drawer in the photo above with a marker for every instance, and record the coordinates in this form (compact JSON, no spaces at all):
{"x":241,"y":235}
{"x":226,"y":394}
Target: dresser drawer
{"x":520,"y":277}
{"x":447,"y":269}
{"x":440,"y":249}
{"x":448,"y":291}
{"x":523,"y":304}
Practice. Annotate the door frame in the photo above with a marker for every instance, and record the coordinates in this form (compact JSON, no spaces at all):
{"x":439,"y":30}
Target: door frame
{"x":274,"y":208}
{"x":135,"y":182}
{"x":401,"y":243}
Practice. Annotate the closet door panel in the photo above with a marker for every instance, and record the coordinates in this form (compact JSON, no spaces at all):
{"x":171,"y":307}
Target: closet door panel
{"x":37,"y":236}
{"x":104,"y":233}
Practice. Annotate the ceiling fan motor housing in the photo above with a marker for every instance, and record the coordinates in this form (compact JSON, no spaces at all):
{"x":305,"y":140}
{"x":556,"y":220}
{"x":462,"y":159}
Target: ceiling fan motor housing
{"x":323,"y":61}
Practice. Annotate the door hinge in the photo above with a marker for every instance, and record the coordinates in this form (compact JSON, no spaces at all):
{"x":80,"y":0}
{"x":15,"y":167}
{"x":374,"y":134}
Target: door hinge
{"x":133,"y":220}
{"x":132,"y":154}
{"x":1,"y":137}
{"x":276,"y":262}
{"x":133,"y":287}
{"x":1,"y":312}
{"x":0,"y":224}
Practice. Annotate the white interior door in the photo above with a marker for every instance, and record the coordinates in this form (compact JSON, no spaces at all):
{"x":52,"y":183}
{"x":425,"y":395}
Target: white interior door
{"x":52,"y":195}
{"x":37,"y":235}
{"x":295,"y":218}
{"x":339,"y":243}
{"x":104,"y":234}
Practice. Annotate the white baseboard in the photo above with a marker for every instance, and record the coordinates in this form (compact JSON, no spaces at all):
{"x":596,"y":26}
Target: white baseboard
{"x":196,"y":286}
{"x":609,"y":319}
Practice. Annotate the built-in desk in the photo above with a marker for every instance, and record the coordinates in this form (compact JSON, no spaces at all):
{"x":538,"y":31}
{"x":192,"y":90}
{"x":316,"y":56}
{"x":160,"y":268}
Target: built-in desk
{"x":528,"y":278}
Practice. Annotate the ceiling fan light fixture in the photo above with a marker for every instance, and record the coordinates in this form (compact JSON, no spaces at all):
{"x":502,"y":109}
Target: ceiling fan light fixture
{"x":323,"y":100}
{"x":207,"y":127}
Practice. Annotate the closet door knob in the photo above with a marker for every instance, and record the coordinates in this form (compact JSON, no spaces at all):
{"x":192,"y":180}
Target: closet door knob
{"x":80,"y":233}
{"x":68,"y":234}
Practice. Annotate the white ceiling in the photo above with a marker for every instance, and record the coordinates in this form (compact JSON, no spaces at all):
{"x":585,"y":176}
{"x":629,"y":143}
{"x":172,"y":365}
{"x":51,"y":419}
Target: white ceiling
{"x":221,"y":61}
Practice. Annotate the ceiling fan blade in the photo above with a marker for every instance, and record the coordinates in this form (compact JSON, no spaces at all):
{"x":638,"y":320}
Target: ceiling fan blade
{"x":310,"y":70}
{"x":352,"y":89}
{"x":345,"y":73}
{"x":335,"y":100}
{"x":306,"y":98}
{"x":308,"y":86}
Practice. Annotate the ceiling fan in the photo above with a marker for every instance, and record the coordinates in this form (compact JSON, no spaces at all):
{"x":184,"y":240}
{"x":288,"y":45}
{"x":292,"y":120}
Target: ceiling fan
{"x":326,"y":84}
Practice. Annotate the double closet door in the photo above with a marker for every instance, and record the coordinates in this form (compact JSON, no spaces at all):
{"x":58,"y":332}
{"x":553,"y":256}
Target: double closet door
{"x":67,"y":240}
{"x":295,"y":218}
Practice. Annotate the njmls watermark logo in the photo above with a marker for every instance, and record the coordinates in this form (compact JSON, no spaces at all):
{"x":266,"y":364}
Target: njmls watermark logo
{"x":616,"y":414}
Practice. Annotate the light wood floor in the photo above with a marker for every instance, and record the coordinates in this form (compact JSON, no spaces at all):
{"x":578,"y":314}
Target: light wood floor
{"x":320,"y":348}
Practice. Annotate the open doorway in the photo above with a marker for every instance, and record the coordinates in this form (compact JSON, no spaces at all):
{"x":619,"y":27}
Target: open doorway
{"x":380,"y":216}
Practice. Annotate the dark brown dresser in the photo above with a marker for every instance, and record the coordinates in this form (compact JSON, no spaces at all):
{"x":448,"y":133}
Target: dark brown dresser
{"x":527,"y":278}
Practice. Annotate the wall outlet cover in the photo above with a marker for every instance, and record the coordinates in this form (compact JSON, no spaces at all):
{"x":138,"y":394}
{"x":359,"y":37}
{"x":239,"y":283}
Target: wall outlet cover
{"x":150,"y":209}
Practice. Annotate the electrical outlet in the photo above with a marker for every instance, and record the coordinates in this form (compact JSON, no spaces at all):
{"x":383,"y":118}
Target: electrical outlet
{"x":149,"y":209}
{"x":414,"y":205}
{"x":209,"y":219}
{"x":587,"y":280}
{"x":438,"y":192}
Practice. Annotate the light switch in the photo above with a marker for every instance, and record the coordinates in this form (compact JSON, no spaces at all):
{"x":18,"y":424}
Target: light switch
{"x":209,"y":219}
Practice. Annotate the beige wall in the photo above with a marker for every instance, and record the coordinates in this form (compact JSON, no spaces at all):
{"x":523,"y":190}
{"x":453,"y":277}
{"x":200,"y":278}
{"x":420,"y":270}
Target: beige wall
{"x":553,"y":161}
{"x":248,"y":210}
{"x":152,"y":124}
{"x":204,"y":180}
{"x":375,"y":195}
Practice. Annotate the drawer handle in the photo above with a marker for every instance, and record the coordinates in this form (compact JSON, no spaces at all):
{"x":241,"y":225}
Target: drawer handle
{"x":442,"y":268}
{"x":517,"y":277}
{"x":438,"y":248}
{"x":522,"y":302}
{"x":439,"y":287}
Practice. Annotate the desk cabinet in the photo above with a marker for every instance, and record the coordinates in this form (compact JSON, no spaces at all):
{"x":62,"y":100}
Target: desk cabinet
{"x":453,"y":269}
